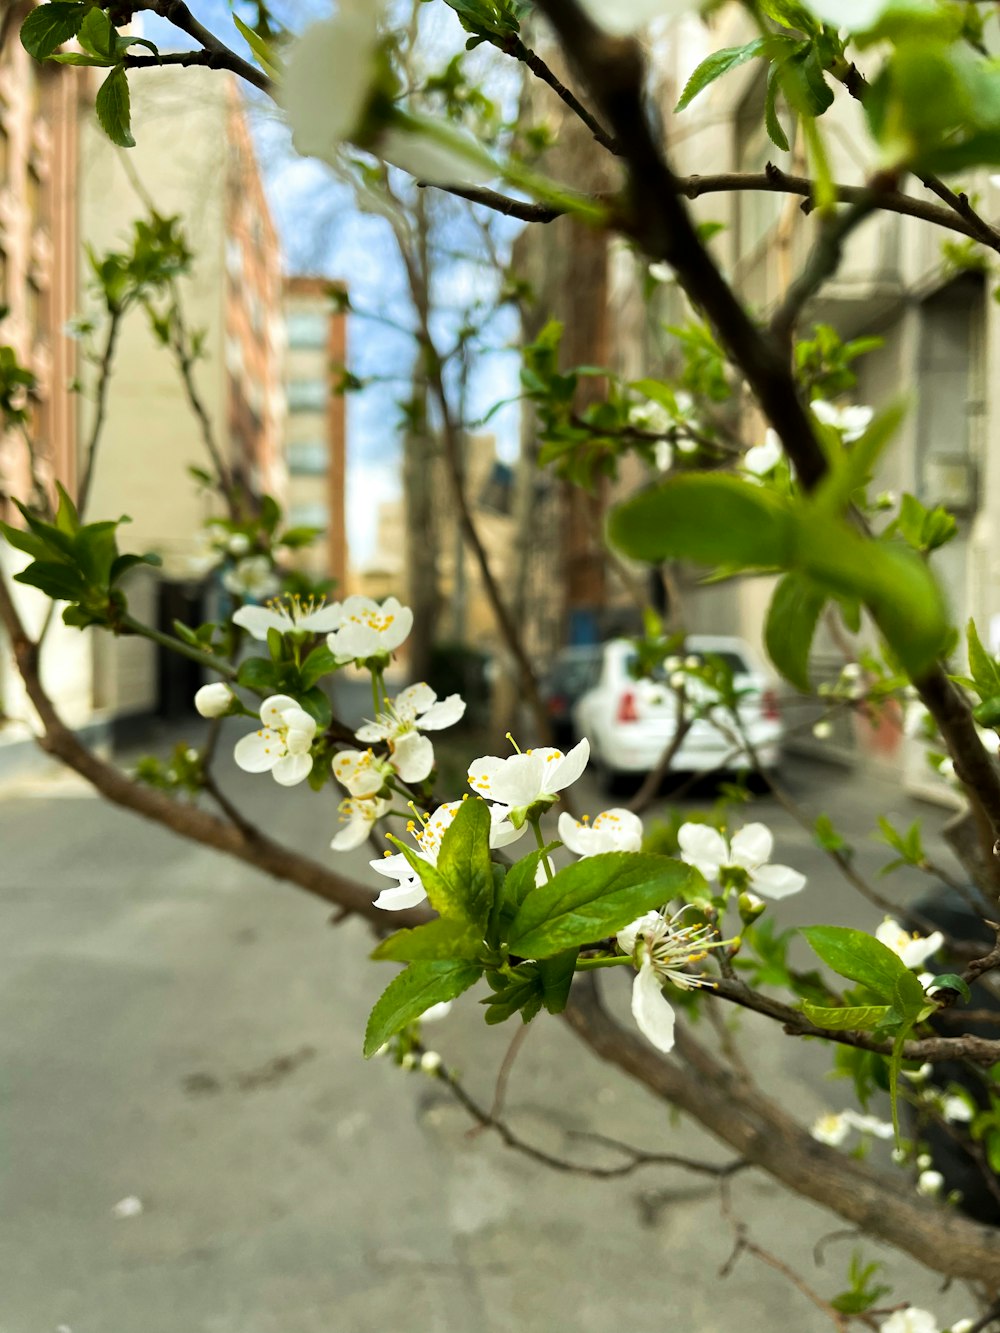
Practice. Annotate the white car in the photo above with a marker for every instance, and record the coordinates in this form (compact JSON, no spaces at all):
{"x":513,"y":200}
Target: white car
{"x":631,"y":722}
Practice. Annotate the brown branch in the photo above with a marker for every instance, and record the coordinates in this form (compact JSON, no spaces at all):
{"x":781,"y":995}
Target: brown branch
{"x":637,"y":1158}
{"x":177,"y":13}
{"x":651,"y":782}
{"x":516,"y":48}
{"x":761,"y":1132}
{"x":115,"y":316}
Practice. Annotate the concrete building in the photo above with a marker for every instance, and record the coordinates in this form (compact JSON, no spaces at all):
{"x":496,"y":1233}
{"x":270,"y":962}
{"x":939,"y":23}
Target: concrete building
{"x":38,"y":294}
{"x":194,"y":158}
{"x":315,"y":429}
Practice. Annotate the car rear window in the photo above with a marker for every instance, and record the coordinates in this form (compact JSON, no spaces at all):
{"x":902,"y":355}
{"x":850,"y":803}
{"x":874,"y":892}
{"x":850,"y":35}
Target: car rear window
{"x":732,"y":661}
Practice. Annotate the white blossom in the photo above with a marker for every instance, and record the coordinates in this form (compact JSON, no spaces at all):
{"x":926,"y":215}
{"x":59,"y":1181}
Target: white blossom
{"x":830,"y":1128}
{"x":362,"y":772}
{"x":750,"y":850}
{"x":238,"y":544}
{"x":289,"y":615}
{"x":956,"y":1110}
{"x":663,"y":455}
{"x":912,"y":948}
{"x":764,"y":458}
{"x":368,"y":629}
{"x":617,"y":830}
{"x":252,"y":577}
{"x":330,"y":70}
{"x":282,"y":743}
{"x":131,"y":1206}
{"x":213,"y":700}
{"x":962,"y":1326}
{"x":413,"y":710}
{"x":662,"y":951}
{"x":912,"y":1320}
{"x":851,"y":422}
{"x":522,"y":780}
{"x":869,"y":1124}
{"x":930,"y":1183}
{"x":822,"y":730}
{"x":431,"y":1062}
{"x":436,"y":1012}
{"x":358,"y":815}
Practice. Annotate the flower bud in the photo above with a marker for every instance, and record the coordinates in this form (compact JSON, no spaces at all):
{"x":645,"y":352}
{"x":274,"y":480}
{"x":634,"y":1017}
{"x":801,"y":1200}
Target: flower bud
{"x":750,"y":907}
{"x":692,"y":663}
{"x":673,"y":663}
{"x":409,"y":1060}
{"x":238,"y":544}
{"x":430,"y":1062}
{"x":924,"y":1161}
{"x":823,"y":731}
{"x":929,"y":1183}
{"x":677,"y":680}
{"x":214,"y":700}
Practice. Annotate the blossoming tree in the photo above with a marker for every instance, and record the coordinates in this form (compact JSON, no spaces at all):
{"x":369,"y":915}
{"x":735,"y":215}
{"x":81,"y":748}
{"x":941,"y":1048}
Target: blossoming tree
{"x":467,"y":903}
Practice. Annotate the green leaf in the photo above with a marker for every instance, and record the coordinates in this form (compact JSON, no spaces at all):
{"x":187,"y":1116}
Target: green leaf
{"x":862,"y":958}
{"x":97,"y":35}
{"x":56,"y":581}
{"x":854,"y":466}
{"x":847,"y":1018}
{"x":717,"y":64}
{"x":113,"y":109}
{"x":446,"y":900}
{"x":264,"y":55}
{"x":792,"y":618}
{"x":557,"y":977}
{"x":258,"y":673}
{"x":317,"y":705}
{"x":28,"y":542}
{"x":464,"y":861}
{"x":984,"y":668}
{"x":594,"y":898}
{"x":951,"y":981}
{"x":774,"y":127}
{"x":412,"y":993}
{"x":436,"y":940}
{"x":707,"y":517}
{"x":48,"y":26}
{"x":320,"y":662}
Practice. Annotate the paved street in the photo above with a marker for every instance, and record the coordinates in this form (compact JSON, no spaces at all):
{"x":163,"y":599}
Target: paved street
{"x":178,"y":1029}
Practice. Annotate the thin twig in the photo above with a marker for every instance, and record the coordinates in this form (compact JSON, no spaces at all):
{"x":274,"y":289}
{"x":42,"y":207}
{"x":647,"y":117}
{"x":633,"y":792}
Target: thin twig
{"x":177,"y":13}
{"x":115,"y":315}
{"x":516,"y":48}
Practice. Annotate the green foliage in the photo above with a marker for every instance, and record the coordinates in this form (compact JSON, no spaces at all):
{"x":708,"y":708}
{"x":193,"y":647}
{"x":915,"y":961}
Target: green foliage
{"x":48,"y":26}
{"x":16,"y":386}
{"x":717,"y":64}
{"x":924,"y":529}
{"x":158,"y":253}
{"x":529,"y":987}
{"x":438,"y":939}
{"x":75,"y":563}
{"x":824,"y":362}
{"x":725,"y":521}
{"x":412,"y":993}
{"x":493,"y":21}
{"x":848,"y":1018}
{"x":984,"y":668}
{"x":765,"y":958}
{"x":865,"y":960}
{"x":113,"y":108}
{"x":863,"y":1291}
{"x":908,"y":845}
{"x":829,"y":839}
{"x":182,"y":772}
{"x":792,"y":617}
{"x":594,"y":898}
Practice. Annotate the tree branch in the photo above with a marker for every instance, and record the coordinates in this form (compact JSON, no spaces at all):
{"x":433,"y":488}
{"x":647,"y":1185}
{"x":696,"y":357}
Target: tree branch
{"x":761,"y":1132}
{"x":177,"y":13}
{"x":516,"y":48}
{"x":115,"y":316}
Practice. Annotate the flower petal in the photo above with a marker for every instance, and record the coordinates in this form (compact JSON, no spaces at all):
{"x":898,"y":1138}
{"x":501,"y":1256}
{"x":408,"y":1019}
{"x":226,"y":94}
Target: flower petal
{"x":577,"y":837}
{"x":414,"y":699}
{"x":628,"y":935}
{"x":324,"y":620}
{"x":393,"y":867}
{"x":412,"y":757}
{"x":359,"y":772}
{"x":292,"y":769}
{"x":257,"y":620}
{"x":482,"y":772}
{"x":751,"y":846}
{"x":653,"y":1014}
{"x":351,"y":835}
{"x":776,"y":881}
{"x":519,"y":779}
{"x":371,"y":732}
{"x":272,"y":711}
{"x":258,"y":752}
{"x":403,"y":895}
{"x":502,"y":831}
{"x":443,"y":714}
{"x":569,"y":768}
{"x":703,"y":847}
{"x":329,"y":72}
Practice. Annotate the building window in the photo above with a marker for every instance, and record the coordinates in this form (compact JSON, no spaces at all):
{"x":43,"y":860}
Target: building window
{"x":307,"y":395}
{"x":234,"y":258}
{"x":308,"y":458}
{"x":313,"y":515}
{"x":308,"y":329}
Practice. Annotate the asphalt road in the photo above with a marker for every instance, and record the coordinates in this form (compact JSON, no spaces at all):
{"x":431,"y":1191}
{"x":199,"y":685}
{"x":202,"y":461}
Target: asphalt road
{"x":180,"y":1030}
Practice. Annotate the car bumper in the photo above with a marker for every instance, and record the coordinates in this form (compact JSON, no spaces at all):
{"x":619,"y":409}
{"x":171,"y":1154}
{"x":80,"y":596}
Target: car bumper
{"x":628,"y":750}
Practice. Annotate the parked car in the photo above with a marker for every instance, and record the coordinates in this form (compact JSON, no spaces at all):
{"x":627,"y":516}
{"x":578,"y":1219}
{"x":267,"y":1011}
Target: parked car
{"x":573,"y":670}
{"x":631,"y":722}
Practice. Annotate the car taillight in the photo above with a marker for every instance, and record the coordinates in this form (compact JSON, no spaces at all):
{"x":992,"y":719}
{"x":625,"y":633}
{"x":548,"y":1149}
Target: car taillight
{"x":627,"y":710}
{"x":769,"y":706}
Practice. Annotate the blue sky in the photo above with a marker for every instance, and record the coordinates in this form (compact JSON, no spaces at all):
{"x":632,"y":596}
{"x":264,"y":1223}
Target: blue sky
{"x":323,"y":233}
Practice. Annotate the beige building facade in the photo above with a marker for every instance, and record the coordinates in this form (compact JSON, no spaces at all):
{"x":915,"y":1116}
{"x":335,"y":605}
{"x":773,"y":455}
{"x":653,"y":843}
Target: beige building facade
{"x":315,"y":440}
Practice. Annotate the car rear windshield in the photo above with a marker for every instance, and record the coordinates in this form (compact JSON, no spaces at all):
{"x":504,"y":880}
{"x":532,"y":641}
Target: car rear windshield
{"x":731,"y":661}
